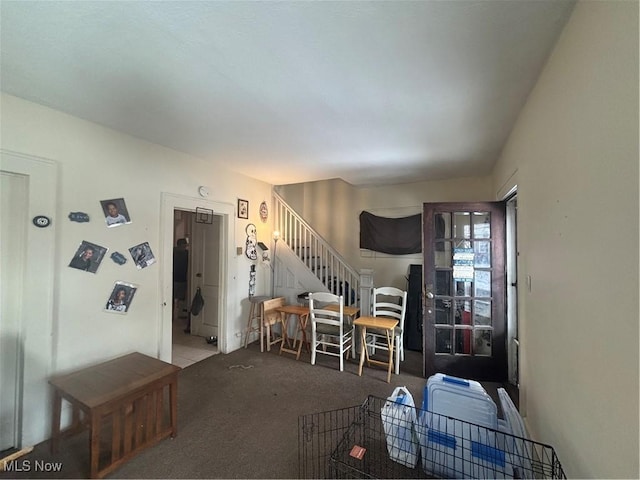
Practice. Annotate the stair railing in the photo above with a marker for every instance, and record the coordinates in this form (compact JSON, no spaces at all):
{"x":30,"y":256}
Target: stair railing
{"x":316,"y":253}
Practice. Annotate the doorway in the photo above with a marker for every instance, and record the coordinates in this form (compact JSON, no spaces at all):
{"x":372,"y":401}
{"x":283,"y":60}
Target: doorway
{"x":223,"y":254}
{"x":14,"y":202}
{"x":28,"y":188}
{"x":513,"y":343}
{"x":195,"y":336}
{"x":464,"y":276}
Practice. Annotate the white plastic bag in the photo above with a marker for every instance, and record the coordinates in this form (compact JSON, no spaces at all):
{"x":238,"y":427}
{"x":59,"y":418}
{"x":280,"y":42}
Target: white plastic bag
{"x":398,"y":420}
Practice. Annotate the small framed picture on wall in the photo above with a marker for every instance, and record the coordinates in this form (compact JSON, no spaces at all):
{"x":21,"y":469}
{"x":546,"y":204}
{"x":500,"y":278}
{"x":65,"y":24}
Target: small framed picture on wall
{"x":120,"y":298}
{"x":243,"y":208}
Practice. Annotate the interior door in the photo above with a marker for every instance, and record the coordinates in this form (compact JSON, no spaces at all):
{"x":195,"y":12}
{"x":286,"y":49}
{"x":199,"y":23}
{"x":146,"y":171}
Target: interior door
{"x":206,"y":271}
{"x":464,"y":275}
{"x":14,"y":200}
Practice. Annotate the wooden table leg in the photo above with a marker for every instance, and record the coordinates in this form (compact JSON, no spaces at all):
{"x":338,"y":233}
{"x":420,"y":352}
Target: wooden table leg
{"x":173,"y":405}
{"x":94,"y":442}
{"x":390,"y":342}
{"x":363,"y":346}
{"x":55,"y":421}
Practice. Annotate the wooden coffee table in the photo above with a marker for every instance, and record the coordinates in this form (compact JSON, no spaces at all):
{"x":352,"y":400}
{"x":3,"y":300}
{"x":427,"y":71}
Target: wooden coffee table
{"x":129,"y":389}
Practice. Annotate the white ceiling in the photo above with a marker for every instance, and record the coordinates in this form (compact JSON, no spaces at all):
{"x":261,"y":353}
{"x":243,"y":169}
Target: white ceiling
{"x":373,"y":92}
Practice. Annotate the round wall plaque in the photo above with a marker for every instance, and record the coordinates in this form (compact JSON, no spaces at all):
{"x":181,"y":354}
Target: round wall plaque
{"x":264,"y":211}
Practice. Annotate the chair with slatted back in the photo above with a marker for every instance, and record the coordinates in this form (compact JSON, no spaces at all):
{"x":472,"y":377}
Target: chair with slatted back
{"x":331,"y":332}
{"x":389,"y":302}
{"x":271,"y":317}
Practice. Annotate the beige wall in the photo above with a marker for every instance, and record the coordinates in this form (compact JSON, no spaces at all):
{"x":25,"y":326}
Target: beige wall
{"x":574,"y":152}
{"x":95,"y":163}
{"x":332,"y":208}
{"x":574,"y":156}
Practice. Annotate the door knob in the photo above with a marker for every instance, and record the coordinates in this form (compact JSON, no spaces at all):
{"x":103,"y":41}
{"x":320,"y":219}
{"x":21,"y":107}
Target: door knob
{"x":198,"y":275}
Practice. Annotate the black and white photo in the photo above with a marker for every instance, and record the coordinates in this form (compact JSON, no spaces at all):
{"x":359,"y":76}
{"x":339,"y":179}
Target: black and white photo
{"x":88,"y":257}
{"x":142,"y":255}
{"x":115,"y":212}
{"x":121,"y":297}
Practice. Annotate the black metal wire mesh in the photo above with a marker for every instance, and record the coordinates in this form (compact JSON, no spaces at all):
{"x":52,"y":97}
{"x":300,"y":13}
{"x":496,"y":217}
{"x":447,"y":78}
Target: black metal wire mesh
{"x":379,"y":439}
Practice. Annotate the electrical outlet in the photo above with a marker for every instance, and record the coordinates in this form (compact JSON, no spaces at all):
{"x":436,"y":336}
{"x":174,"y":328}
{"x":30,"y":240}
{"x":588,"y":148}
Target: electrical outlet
{"x":238,"y":250}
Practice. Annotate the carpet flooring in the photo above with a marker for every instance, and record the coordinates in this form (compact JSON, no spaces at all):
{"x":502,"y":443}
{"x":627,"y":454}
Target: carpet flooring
{"x":238,"y":416}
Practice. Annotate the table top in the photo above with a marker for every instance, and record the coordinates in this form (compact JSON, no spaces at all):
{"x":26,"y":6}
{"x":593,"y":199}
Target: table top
{"x":377,"y":322}
{"x":98,"y":384}
{"x":293,"y":309}
{"x":302,"y":310}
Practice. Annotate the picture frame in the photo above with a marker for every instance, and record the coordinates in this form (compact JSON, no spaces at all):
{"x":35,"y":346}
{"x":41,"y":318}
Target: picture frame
{"x":88,"y":257}
{"x":121,"y":296}
{"x":142,"y":255}
{"x":243,"y":208}
{"x":115,"y":212}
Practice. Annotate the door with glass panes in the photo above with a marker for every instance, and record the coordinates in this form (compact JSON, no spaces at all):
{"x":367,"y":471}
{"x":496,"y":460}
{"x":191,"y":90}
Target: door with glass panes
{"x":464,"y":290}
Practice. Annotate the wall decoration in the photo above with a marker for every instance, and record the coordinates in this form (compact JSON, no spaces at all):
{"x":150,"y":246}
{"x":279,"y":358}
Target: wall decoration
{"x":396,"y":236}
{"x":118,"y":258}
{"x":204,"y":215}
{"x":41,"y":221}
{"x":121,"y":297}
{"x":243,"y":208}
{"x":88,"y":257}
{"x":142,"y":255}
{"x":79,"y":217}
{"x":115,"y":212}
{"x":252,"y":281}
{"x":252,"y":240}
{"x":264,"y":211}
{"x":203,"y":191}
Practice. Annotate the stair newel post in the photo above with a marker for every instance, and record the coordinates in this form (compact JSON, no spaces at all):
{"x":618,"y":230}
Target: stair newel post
{"x":366,"y":287}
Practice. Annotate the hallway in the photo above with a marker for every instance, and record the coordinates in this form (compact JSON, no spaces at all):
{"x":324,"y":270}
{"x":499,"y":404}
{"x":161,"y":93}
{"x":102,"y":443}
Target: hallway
{"x":189,"y":349}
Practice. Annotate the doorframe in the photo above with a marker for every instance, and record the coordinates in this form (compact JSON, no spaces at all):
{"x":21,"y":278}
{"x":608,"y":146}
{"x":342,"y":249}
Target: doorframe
{"x":37,"y":354}
{"x":495,"y":367}
{"x":171,"y":202}
{"x":511,"y":264}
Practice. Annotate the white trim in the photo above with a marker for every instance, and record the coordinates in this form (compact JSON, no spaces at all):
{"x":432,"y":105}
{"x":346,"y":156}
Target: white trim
{"x":169,"y":203}
{"x":38,"y":355}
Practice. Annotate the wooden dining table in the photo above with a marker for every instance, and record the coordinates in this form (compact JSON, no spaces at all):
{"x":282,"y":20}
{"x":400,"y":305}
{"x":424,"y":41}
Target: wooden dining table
{"x":301,"y":312}
{"x":376,"y":323}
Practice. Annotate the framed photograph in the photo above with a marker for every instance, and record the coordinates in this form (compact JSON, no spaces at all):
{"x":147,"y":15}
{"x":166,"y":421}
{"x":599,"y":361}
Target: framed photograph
{"x":115,"y":212}
{"x":88,"y":257}
{"x":243,"y":208}
{"x":121,"y":297}
{"x":142,"y":255}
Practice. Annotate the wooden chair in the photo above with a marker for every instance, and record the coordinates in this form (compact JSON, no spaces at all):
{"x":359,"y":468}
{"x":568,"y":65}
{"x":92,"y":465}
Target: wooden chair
{"x":389,"y":302}
{"x":329,"y":329}
{"x":270,"y":317}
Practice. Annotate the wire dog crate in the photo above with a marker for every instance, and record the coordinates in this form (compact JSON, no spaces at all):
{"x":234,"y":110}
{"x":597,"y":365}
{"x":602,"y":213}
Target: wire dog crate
{"x":375,"y":440}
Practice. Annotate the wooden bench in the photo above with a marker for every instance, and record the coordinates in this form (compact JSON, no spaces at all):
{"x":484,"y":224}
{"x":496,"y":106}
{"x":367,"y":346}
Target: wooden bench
{"x":131,"y":391}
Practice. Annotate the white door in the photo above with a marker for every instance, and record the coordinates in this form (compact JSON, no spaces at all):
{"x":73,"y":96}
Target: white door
{"x":28,"y":262}
{"x":206,"y":274}
{"x":14,"y":200}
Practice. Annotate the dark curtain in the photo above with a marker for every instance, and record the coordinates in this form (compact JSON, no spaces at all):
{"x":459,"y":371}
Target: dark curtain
{"x":397,"y":236}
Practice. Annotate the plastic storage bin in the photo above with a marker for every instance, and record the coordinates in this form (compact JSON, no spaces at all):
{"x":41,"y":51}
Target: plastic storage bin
{"x":460,"y":398}
{"x":453,"y":430}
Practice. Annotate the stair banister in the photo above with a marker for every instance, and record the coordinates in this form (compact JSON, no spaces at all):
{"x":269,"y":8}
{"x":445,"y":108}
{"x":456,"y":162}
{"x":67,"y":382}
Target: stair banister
{"x":316,"y":253}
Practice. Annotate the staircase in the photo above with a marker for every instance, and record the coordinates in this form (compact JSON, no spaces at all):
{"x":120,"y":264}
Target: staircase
{"x":326,"y":264}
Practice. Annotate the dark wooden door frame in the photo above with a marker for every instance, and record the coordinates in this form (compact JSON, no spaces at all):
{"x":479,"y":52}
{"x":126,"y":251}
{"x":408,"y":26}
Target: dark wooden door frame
{"x":492,"y":368}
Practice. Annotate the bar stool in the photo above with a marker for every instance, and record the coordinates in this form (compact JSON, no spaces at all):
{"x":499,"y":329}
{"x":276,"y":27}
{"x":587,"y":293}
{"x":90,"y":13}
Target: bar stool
{"x":254,"y":323}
